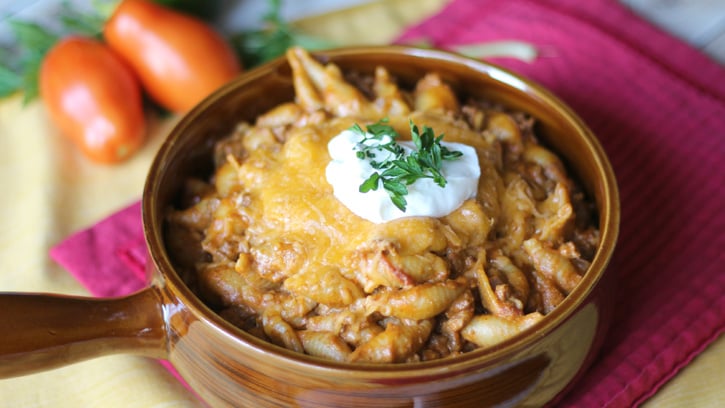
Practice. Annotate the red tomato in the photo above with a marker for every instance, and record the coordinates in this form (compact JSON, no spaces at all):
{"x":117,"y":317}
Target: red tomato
{"x":94,"y":98}
{"x":179,"y":58}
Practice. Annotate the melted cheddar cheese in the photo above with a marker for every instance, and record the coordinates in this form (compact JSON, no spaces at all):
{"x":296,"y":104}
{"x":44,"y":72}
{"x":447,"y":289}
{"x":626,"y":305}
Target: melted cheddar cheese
{"x":267,"y":244}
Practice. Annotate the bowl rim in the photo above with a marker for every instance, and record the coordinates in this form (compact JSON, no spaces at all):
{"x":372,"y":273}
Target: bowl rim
{"x":609,"y":218}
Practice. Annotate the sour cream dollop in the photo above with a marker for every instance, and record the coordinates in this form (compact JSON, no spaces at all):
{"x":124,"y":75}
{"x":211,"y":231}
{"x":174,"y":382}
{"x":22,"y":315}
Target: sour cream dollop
{"x":346,"y":172}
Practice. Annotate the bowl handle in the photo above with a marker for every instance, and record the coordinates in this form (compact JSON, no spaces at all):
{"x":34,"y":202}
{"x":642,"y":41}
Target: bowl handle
{"x":44,"y":331}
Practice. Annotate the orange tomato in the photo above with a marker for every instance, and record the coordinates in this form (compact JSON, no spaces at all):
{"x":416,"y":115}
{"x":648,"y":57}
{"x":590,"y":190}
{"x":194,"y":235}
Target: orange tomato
{"x":94,"y":98}
{"x":179,"y":58}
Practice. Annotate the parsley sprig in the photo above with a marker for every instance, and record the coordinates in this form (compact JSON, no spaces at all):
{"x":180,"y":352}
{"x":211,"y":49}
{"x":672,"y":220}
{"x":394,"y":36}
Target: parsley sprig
{"x":398,"y":168}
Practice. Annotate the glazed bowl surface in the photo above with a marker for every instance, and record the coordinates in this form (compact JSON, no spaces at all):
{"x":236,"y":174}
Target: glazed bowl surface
{"x":229,"y":367}
{"x":530,"y":369}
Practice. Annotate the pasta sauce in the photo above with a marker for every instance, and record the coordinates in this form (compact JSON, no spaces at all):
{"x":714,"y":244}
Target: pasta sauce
{"x":270,"y":245}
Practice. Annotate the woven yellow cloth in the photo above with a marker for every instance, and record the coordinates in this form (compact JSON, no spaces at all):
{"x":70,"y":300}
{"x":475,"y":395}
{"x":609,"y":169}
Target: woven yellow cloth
{"x":51,"y":190}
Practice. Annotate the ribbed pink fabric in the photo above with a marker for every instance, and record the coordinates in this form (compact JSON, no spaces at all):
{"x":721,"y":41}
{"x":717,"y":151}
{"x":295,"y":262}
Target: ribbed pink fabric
{"x":658,"y":107}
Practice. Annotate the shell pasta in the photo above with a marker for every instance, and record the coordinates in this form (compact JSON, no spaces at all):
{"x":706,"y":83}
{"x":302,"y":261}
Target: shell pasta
{"x":266,"y":244}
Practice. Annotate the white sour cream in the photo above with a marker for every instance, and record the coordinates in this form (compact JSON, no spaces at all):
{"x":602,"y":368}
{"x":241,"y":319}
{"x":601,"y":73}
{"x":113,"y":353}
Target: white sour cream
{"x":346,"y":172}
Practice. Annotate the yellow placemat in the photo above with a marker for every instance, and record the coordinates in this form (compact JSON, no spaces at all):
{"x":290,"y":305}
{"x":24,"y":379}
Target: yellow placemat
{"x":51,"y":190}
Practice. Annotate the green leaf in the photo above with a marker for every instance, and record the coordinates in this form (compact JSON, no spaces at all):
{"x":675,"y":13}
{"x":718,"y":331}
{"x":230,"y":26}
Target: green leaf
{"x":371,"y":184}
{"x":399,"y":201}
{"x":357,"y":129}
{"x":394,"y":172}
{"x":415,"y":136}
{"x":33,"y":41}
{"x":30,"y":83}
{"x":259,"y":46}
{"x":311,"y":43}
{"x":274,"y":13}
{"x":381,"y":129}
{"x":450,"y":155}
{"x":77,"y":22}
{"x":10,"y":82}
{"x":395,"y":187}
{"x":32,"y":36}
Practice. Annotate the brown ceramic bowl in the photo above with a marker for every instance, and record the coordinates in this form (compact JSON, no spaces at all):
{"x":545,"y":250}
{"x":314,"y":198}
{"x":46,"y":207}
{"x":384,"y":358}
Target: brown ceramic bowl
{"x":227,"y":366}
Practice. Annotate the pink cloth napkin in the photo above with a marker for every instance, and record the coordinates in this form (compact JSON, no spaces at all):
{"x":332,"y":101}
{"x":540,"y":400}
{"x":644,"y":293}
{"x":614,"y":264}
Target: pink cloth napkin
{"x":658,"y":107}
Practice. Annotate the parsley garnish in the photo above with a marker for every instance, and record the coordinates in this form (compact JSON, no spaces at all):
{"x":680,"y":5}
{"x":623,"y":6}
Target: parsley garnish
{"x":398,"y":168}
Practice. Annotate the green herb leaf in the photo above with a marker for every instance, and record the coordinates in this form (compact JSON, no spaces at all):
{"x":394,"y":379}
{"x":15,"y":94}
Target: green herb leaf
{"x":32,"y":36}
{"x":399,"y":202}
{"x":371,"y":184}
{"x":34,"y":41}
{"x":77,"y":22}
{"x":401,"y":169}
{"x":30,"y":83}
{"x":381,"y":129}
{"x":10,"y":82}
{"x":273,"y":40}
